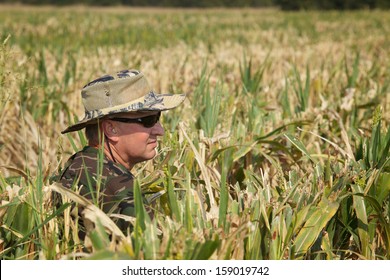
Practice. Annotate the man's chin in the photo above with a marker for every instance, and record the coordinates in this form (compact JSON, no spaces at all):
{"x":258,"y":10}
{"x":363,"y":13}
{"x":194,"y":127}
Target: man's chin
{"x":152,"y":154}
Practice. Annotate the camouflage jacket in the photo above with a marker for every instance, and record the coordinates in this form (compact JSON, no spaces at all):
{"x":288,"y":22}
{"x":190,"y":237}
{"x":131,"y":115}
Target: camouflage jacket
{"x":103,"y":181}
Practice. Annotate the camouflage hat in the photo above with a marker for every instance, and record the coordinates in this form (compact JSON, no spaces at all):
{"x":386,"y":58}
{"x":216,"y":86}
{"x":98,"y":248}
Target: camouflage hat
{"x":125,"y":91}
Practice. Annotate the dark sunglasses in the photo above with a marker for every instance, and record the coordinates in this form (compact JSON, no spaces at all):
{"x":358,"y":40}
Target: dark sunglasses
{"x":148,"y":121}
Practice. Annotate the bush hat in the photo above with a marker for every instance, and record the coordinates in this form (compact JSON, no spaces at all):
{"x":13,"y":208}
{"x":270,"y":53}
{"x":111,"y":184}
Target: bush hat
{"x":125,"y":91}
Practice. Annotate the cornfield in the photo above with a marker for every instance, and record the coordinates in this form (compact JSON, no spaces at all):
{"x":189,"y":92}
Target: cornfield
{"x":281,"y":150}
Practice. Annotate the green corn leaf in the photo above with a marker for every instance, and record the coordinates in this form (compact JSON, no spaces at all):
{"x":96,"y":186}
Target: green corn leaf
{"x":382,"y":187}
{"x":168,"y":246}
{"x":19,"y":223}
{"x":382,"y":219}
{"x":99,"y":237}
{"x":361,"y":214}
{"x":298,"y":220}
{"x":173,"y":202}
{"x":141,"y":216}
{"x":314,"y":225}
{"x":326,"y":246}
{"x":72,"y":142}
{"x":205,"y":250}
{"x":151,"y":246}
{"x":224,"y":192}
{"x":279,"y":129}
{"x":276,"y":238}
{"x":189,"y":205}
{"x":385,"y":156}
{"x":297,"y":143}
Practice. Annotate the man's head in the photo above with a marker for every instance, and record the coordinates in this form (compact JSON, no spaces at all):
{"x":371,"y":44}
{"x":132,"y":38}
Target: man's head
{"x":127,"y":91}
{"x":123,"y":111}
{"x":133,"y":136}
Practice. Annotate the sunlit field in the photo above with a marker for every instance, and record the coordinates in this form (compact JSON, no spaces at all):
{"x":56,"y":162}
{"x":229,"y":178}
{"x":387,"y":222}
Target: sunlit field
{"x":281,"y":150}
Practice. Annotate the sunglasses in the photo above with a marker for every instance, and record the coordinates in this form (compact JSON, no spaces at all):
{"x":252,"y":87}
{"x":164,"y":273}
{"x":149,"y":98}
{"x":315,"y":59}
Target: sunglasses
{"x":148,"y":121}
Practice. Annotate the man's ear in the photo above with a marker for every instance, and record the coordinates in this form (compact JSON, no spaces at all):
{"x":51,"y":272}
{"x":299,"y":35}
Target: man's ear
{"x":110,"y":130}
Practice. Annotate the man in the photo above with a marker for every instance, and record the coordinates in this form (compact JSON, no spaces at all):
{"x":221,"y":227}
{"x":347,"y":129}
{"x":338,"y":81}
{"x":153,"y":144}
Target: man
{"x":122,"y":126}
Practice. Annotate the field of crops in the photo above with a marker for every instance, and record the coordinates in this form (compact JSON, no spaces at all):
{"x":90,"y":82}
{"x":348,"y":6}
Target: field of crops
{"x":281,"y":150}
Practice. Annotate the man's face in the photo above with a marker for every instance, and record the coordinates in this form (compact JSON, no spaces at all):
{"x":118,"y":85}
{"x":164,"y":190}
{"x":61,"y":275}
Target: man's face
{"x":135,"y":142}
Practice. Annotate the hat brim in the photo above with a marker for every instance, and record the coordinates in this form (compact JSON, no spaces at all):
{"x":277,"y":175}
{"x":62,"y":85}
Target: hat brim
{"x":150,"y":102}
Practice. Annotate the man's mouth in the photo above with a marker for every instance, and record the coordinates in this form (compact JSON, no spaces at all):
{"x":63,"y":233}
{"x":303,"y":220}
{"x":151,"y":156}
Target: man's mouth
{"x":153,"y":142}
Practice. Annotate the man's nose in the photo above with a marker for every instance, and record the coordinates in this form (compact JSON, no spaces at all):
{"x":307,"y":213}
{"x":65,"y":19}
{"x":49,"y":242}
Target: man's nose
{"x":158,"y":129}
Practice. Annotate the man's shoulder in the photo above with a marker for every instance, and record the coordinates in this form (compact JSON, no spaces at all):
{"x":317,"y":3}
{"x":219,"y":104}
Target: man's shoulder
{"x":87,"y":157}
{"x":92,"y":160}
{"x":89,"y":167}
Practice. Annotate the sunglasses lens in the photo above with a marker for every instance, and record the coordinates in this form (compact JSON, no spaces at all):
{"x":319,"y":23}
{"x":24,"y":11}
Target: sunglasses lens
{"x":150,"y":121}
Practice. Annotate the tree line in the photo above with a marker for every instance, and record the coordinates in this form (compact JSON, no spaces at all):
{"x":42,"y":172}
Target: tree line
{"x":282,"y":4}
